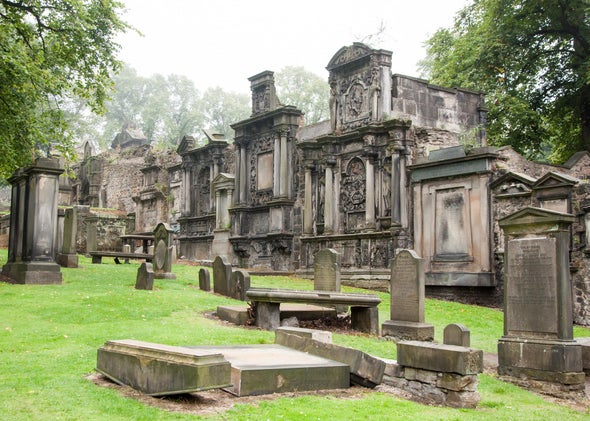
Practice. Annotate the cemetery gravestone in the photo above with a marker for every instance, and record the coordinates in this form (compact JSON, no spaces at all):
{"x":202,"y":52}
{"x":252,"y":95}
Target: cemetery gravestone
{"x":221,"y":275}
{"x":407,"y":300}
{"x":68,"y":257}
{"x":456,"y":334}
{"x":33,"y":224}
{"x":163,"y":251}
{"x":538,"y":339}
{"x":239,"y":284}
{"x":326,"y":274}
{"x":204,"y":280}
{"x":145,"y":277}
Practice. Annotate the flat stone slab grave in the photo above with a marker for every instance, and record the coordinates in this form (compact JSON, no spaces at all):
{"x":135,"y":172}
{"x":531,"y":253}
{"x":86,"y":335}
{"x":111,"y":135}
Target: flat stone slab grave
{"x":157,"y":369}
{"x":266,"y":369}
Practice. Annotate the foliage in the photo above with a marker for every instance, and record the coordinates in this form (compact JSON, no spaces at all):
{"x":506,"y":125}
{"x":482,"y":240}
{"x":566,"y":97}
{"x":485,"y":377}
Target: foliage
{"x":223,"y":108}
{"x":532,"y":58}
{"x":305,"y":90}
{"x":52,"y":50}
{"x":50,"y":334}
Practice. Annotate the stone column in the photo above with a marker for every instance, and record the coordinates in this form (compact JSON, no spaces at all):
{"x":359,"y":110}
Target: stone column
{"x":284,"y":166}
{"x":396,"y":186}
{"x":186,"y":184}
{"x":276,"y":173}
{"x":307,"y":209}
{"x":242,"y":182}
{"x":370,"y":194}
{"x":218,"y":209}
{"x":329,"y":199}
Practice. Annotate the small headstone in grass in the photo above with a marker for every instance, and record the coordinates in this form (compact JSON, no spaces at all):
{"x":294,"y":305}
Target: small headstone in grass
{"x":145,"y":277}
{"x":456,"y":334}
{"x":221,"y":275}
{"x":239,"y":284}
{"x":204,"y":279}
{"x":326,"y":270}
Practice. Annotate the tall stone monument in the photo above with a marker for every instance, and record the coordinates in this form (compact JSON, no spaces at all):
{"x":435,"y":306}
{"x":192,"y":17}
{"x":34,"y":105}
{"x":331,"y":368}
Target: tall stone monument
{"x":163,"y":243}
{"x":538,"y":342}
{"x":407,"y":300}
{"x":33,"y":224}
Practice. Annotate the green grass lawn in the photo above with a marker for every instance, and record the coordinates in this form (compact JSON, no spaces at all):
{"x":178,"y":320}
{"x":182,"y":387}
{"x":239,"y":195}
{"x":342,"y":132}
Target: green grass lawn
{"x":49,"y":335}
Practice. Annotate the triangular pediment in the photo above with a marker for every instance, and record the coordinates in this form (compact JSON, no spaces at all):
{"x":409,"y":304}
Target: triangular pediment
{"x":578,"y":159}
{"x":224,"y":181}
{"x":513,"y":184}
{"x":533,"y":215}
{"x":555,"y":179}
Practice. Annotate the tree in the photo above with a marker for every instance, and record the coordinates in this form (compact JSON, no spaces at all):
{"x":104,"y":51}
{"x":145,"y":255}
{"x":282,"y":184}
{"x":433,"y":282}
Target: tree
{"x":305,"y":90}
{"x":223,"y":108}
{"x":52,"y":50}
{"x":532,"y":58}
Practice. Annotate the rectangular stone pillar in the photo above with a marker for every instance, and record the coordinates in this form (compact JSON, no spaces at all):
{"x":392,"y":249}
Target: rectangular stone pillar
{"x":284,"y":166}
{"x":329,"y":202}
{"x":307,"y":206}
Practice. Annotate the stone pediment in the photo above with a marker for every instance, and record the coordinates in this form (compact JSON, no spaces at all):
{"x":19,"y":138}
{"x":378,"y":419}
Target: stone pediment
{"x":349,"y":54}
{"x":512,"y":184}
{"x":186,"y":144}
{"x":579,"y":158}
{"x":535,"y":216}
{"x":224,"y":181}
{"x":554,"y":179}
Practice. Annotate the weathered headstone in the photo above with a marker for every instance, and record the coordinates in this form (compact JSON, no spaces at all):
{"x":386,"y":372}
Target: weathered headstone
{"x":68,"y":257}
{"x":239,"y":284}
{"x":221,"y":275}
{"x":538,"y":339}
{"x":145,"y":277}
{"x":456,"y":334}
{"x":163,"y":251}
{"x":204,"y":279}
{"x":326,"y":273}
{"x":91,"y":233}
{"x":407,"y":300}
{"x":33,"y":224}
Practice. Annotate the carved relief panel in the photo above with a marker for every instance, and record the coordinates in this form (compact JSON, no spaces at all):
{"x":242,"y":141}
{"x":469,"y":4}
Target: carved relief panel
{"x":353,"y":194}
{"x":261,"y":169}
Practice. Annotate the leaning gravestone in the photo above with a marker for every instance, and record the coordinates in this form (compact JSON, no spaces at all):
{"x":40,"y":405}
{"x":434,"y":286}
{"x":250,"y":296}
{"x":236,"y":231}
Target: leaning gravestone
{"x":326,"y":270}
{"x":239,"y":284}
{"x":204,"y":280}
{"x":145,"y":277}
{"x":163,"y":251}
{"x":221,"y":275}
{"x":538,"y":339}
{"x":407,"y":300}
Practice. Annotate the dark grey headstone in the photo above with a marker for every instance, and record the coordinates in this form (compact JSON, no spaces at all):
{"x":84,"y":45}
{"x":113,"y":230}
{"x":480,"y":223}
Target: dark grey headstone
{"x":204,"y":279}
{"x":531,"y":294}
{"x":163,"y":251}
{"x":326,"y":270}
{"x":407,"y":287}
{"x":239,"y":284}
{"x":456,"y":334}
{"x":221,"y":275}
{"x":145,"y":277}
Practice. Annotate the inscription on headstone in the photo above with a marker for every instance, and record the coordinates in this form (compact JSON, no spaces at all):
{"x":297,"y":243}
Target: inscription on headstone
{"x":326,"y":270}
{"x":531,"y":290}
{"x":407,"y":287}
{"x":204,"y":279}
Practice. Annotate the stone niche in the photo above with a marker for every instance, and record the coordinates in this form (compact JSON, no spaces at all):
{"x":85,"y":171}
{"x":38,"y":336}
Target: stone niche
{"x":451,"y":217}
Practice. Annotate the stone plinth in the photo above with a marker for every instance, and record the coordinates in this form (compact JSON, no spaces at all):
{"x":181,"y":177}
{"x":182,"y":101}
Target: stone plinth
{"x":158,"y":370}
{"x":440,"y":357}
{"x":407,"y":331}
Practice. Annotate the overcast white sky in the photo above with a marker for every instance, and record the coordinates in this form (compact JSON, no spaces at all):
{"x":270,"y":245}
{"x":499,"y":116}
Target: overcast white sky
{"x":224,"y":42}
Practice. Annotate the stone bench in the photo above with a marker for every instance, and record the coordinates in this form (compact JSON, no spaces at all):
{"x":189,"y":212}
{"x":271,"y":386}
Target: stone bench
{"x":98,"y":255}
{"x":363,"y":307}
